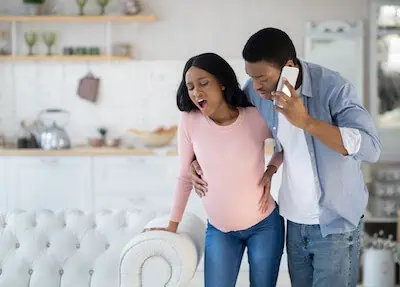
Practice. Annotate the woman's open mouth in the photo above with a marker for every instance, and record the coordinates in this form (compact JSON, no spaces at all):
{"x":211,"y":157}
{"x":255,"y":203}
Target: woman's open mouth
{"x":202,"y":103}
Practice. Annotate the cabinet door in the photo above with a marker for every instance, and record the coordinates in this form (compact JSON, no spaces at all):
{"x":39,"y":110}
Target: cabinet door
{"x":134,"y":180}
{"x":49,"y":182}
{"x":3,"y":190}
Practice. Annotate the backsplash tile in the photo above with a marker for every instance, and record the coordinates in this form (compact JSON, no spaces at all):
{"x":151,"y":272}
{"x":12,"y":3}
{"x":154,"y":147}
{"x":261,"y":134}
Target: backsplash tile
{"x":139,"y":94}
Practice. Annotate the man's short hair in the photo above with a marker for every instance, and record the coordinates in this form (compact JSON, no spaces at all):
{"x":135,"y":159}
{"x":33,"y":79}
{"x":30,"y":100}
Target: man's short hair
{"x":271,"y":45}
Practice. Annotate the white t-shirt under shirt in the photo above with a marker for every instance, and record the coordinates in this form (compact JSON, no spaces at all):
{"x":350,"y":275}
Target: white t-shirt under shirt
{"x":298,"y":194}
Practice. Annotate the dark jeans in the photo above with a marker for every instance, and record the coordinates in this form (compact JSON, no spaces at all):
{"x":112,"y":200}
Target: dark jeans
{"x":224,"y":252}
{"x":315,"y":261}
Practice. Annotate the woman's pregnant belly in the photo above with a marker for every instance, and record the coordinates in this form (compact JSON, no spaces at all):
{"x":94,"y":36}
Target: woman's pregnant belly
{"x":234,"y":204}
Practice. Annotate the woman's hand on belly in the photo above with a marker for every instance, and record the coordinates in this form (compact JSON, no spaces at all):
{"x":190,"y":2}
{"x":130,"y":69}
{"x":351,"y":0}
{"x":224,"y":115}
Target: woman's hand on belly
{"x":200,"y":186}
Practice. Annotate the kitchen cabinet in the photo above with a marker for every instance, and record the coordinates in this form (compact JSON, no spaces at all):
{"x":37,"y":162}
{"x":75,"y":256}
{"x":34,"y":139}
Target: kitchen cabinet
{"x":48,"y":182}
{"x":134,"y":180}
{"x":3,"y":194}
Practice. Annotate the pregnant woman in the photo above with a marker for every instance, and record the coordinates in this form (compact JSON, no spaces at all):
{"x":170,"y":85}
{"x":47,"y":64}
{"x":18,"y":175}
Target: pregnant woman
{"x":226,"y":135}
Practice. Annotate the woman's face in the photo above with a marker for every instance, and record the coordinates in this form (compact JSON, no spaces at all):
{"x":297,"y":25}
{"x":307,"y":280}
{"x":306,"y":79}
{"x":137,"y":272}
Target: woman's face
{"x":204,"y":90}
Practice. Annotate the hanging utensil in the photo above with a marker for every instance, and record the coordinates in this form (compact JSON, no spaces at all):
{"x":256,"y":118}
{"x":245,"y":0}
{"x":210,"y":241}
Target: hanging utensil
{"x":88,"y":87}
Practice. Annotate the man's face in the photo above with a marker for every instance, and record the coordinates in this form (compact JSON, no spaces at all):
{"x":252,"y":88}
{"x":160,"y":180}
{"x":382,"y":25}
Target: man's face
{"x":265,"y":77}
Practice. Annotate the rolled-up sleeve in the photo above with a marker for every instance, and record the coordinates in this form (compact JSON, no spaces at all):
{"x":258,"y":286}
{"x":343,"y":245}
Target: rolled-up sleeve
{"x":347,"y":112}
{"x":351,"y":139}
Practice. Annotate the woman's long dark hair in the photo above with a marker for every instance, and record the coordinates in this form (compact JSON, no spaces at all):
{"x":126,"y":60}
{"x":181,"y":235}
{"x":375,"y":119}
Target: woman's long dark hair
{"x":220,"y":69}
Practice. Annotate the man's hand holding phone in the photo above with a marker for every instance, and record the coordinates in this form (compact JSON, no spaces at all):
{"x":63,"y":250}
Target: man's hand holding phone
{"x":290,"y":74}
{"x":292,"y":106}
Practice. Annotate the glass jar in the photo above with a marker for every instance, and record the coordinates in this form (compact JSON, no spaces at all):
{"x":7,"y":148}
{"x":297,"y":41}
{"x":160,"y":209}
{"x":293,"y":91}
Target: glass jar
{"x":132,"y":7}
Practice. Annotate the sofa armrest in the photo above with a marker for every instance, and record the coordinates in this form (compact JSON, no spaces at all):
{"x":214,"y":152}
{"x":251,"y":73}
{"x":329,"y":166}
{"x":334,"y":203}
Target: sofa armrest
{"x":159,"y":258}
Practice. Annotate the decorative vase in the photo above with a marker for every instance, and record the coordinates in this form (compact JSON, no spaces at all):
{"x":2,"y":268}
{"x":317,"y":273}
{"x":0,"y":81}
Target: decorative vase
{"x":379,"y":268}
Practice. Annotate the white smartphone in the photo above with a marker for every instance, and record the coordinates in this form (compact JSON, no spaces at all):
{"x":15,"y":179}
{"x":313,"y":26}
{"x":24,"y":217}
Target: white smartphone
{"x":291,"y":74}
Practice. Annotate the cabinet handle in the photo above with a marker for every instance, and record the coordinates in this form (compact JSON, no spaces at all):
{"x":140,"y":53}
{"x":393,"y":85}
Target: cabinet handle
{"x":136,"y":160}
{"x":49,"y":160}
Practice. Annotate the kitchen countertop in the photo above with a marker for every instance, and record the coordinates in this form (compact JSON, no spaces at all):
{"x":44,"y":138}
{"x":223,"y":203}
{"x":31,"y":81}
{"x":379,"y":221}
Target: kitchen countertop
{"x":89,"y":151}
{"x":75,"y":152}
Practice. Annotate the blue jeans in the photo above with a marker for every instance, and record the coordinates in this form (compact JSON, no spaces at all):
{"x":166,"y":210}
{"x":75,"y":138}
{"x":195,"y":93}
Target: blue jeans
{"x":316,"y":261}
{"x":224,"y":252}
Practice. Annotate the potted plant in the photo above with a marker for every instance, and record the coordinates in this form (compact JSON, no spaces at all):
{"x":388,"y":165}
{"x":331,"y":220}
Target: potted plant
{"x":34,"y":7}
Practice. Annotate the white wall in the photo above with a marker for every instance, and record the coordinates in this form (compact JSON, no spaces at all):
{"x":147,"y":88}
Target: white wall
{"x":141,"y":93}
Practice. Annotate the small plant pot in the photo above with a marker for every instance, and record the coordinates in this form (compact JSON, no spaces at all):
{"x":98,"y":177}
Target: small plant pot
{"x":33,"y":9}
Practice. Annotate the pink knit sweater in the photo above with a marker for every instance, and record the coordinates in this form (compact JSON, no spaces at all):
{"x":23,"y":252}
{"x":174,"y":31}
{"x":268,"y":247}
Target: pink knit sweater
{"x":232,"y":161}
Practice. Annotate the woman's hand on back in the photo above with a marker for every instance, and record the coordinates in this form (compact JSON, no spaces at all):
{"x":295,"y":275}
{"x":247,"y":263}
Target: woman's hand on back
{"x":200,"y":186}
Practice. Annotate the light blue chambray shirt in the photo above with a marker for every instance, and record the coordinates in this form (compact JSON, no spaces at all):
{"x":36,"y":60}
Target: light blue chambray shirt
{"x":329,"y":97}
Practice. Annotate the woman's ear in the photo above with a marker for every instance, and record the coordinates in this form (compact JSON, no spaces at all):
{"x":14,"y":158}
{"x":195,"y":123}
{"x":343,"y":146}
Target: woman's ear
{"x":223,"y":88}
{"x":290,"y":63}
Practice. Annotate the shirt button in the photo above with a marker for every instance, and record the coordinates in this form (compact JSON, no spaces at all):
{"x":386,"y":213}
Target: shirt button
{"x":274,"y":128}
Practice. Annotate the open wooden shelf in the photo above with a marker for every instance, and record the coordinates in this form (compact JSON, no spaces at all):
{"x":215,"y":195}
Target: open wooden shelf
{"x":85,"y":18}
{"x":65,"y":58}
{"x":108,"y":19}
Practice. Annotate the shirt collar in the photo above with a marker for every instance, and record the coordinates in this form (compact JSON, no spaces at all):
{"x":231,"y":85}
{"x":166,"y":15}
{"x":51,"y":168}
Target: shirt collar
{"x":306,"y":88}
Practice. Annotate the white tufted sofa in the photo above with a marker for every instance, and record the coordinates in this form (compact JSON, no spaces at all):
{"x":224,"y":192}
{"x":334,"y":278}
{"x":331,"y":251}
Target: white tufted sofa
{"x":71,"y":248}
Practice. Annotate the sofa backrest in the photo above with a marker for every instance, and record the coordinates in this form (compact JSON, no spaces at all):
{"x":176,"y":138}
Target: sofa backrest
{"x":68,"y":248}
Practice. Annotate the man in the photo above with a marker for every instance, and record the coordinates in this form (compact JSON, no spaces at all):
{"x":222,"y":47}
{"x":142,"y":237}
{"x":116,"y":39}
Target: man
{"x":325,"y":134}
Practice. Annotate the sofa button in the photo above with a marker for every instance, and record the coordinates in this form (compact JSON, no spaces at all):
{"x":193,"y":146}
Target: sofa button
{"x":30,"y":271}
{"x":34,"y":224}
{"x":91,"y":272}
{"x":48,"y":244}
{"x":17,"y":245}
{"x":78,"y":246}
{"x":1,"y":271}
{"x":107,"y":246}
{"x":5,"y":224}
{"x":61,"y":272}
{"x":94,"y":225}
